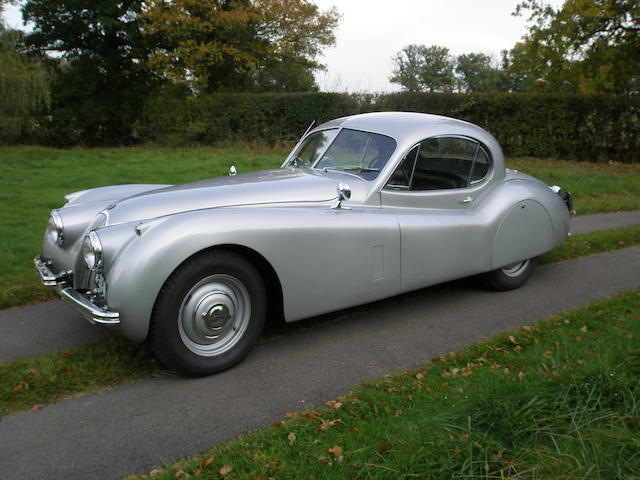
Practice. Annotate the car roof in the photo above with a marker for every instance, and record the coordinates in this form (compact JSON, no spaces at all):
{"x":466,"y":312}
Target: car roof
{"x":408,"y":126}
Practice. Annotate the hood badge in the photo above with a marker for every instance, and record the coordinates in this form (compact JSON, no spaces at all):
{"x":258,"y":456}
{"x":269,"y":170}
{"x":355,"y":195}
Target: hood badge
{"x":232,"y":171}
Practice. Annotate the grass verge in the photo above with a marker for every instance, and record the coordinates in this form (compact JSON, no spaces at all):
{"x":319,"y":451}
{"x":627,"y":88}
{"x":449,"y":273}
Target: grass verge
{"x":594,"y":242}
{"x":596,"y":187}
{"x":32,"y":383}
{"x":35,"y":382}
{"x":558,"y":399}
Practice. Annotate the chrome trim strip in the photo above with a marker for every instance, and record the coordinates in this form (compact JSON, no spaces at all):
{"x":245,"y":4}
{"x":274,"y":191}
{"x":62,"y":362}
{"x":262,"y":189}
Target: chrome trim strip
{"x":46,"y":275}
{"x":91,"y":312}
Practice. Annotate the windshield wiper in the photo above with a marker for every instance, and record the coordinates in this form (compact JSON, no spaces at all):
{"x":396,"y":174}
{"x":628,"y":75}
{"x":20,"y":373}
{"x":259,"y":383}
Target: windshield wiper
{"x":360,"y":169}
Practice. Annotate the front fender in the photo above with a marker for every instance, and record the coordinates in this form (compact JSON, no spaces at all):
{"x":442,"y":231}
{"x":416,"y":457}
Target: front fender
{"x":325,"y":259}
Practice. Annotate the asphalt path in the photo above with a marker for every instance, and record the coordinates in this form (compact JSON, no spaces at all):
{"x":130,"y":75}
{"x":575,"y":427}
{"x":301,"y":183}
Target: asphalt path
{"x":132,"y":428}
{"x":49,"y":326}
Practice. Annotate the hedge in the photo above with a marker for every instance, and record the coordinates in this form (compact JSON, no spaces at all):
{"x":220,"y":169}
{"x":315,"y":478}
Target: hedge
{"x":584,"y":127}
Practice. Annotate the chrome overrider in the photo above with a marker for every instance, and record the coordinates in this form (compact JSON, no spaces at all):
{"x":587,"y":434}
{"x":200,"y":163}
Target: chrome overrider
{"x":82,"y":304}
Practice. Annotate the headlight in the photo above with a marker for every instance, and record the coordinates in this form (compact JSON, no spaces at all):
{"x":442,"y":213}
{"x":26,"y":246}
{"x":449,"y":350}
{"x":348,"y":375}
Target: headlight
{"x":55,"y":228}
{"x":92,"y":251}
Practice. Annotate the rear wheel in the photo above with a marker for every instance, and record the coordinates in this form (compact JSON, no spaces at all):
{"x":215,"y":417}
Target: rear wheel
{"x":511,"y":276}
{"x":209,"y":313}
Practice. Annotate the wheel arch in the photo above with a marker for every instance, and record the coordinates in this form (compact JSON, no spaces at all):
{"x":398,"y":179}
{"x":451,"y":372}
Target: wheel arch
{"x":269,"y":277}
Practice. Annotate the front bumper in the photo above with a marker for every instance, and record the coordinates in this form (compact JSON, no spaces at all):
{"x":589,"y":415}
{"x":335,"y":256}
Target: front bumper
{"x":77,"y":300}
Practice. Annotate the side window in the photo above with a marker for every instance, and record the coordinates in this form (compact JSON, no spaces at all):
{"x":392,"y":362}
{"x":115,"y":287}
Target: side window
{"x":444,"y":162}
{"x":441,"y":163}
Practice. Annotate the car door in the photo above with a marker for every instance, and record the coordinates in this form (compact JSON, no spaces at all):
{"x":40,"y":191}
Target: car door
{"x":437,"y":192}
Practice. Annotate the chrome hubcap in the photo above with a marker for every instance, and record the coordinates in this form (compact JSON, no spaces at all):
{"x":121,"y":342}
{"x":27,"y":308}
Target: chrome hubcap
{"x":515,"y":269}
{"x":214,"y":315}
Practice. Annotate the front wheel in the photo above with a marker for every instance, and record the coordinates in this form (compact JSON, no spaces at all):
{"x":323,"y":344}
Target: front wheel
{"x":511,"y":276}
{"x":209,"y":313}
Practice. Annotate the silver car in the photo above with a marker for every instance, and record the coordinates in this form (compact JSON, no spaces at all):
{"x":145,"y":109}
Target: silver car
{"x":365,"y":207}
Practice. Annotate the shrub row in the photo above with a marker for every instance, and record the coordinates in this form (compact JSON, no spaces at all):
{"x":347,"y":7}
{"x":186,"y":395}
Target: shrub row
{"x":595,"y":127}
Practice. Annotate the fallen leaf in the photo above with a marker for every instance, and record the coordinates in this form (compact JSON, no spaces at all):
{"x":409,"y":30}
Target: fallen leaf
{"x":512,"y":339}
{"x":399,"y":412}
{"x":36,"y":407}
{"x":419,"y":376}
{"x":326,"y":424}
{"x":584,"y":329}
{"x":224,"y":471}
{"x":337,"y":451}
{"x":182,"y":474}
{"x":292,"y":438}
{"x":312,"y":415}
{"x":208,"y":461}
{"x":384,"y":447}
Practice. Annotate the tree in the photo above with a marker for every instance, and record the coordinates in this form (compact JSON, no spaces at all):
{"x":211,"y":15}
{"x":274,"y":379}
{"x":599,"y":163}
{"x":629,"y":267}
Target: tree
{"x":419,"y":68}
{"x":100,"y":83}
{"x":477,"y":74}
{"x":239,"y":45}
{"x":586,"y":45}
{"x":24,"y":86}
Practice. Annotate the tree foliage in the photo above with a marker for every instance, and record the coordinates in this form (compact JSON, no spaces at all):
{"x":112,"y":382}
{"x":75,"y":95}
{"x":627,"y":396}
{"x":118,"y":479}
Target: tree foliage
{"x":418,"y":68}
{"x":476,"y":73}
{"x":100,"y":83}
{"x":238,"y":45}
{"x":591,"y":46}
{"x":24,"y":86}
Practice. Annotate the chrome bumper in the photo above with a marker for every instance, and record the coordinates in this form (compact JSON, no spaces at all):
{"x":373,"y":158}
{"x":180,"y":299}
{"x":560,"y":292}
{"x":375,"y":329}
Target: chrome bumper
{"x":82,"y":304}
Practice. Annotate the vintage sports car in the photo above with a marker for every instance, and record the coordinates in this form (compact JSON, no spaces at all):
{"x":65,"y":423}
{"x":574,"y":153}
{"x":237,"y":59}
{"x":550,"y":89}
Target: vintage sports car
{"x":365,"y":207}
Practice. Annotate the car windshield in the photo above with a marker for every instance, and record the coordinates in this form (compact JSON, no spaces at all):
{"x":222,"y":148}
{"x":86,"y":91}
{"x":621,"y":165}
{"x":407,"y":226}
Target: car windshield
{"x":362,"y":153}
{"x":314,"y":145}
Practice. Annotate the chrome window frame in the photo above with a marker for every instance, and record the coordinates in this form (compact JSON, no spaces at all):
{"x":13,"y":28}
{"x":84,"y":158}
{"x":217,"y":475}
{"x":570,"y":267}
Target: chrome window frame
{"x":470,"y":184}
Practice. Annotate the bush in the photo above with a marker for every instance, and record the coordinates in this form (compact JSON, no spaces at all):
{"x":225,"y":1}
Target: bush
{"x":174,"y":118}
{"x":583,"y":127}
{"x":595,"y":128}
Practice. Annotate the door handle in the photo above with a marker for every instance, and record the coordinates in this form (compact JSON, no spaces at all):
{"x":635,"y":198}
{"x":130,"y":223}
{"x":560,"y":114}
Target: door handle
{"x":467,"y":200}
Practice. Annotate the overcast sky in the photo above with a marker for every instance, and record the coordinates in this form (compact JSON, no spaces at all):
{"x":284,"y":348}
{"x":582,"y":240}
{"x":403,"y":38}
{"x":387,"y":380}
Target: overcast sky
{"x":372,"y":31}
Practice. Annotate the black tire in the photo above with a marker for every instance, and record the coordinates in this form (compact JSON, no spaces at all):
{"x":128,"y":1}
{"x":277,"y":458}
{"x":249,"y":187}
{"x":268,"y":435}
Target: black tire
{"x":209,"y":313}
{"x":512,"y":276}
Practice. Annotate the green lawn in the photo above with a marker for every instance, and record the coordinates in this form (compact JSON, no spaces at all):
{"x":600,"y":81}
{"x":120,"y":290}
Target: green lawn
{"x":33,"y":180}
{"x":596,"y":187}
{"x":553,"y":400}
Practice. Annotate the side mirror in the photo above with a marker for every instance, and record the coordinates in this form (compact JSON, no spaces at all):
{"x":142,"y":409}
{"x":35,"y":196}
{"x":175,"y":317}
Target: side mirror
{"x":344,"y":193}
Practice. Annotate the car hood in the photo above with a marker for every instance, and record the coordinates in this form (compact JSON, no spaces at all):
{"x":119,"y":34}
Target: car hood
{"x":271,"y":187}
